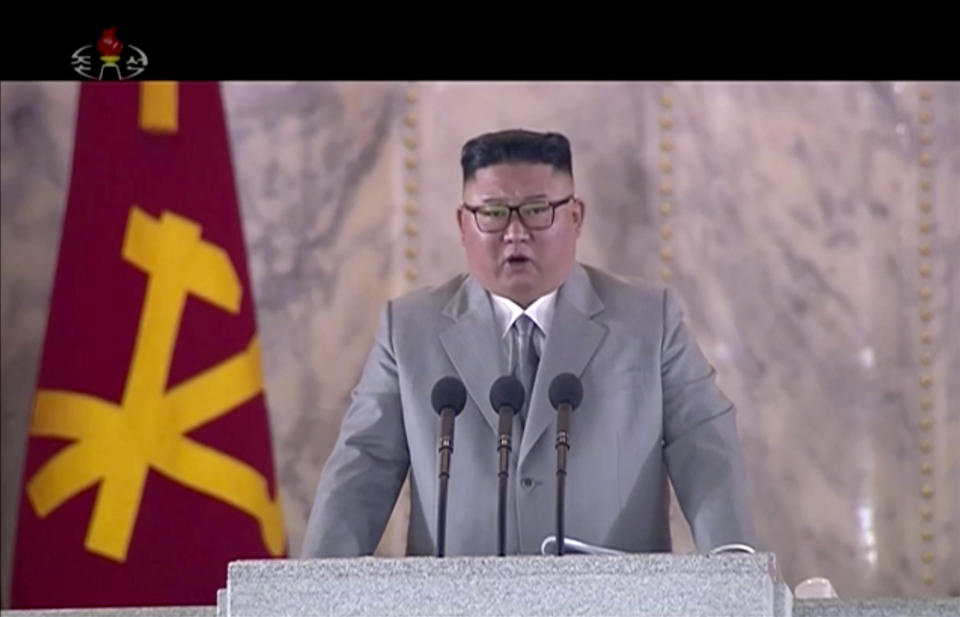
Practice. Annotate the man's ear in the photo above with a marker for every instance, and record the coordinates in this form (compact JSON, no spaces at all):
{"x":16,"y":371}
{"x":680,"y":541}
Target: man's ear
{"x":579,"y":213}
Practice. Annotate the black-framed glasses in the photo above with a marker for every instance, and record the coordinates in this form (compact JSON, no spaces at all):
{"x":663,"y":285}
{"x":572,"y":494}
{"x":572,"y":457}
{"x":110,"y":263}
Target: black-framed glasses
{"x":536,"y":214}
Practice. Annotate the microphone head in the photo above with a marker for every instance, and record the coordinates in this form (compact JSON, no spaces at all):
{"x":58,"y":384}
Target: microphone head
{"x":507,"y":391}
{"x":566,"y":388}
{"x":449,"y":392}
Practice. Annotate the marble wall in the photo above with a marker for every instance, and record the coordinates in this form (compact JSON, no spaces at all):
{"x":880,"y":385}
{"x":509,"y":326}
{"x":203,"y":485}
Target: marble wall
{"x":812,"y":233}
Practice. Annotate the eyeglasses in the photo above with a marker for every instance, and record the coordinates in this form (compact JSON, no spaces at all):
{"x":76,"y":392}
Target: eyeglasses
{"x":535,"y":215}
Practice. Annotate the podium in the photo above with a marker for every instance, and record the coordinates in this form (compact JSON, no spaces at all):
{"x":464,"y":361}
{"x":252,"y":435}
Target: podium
{"x":650,"y":584}
{"x":646,"y":584}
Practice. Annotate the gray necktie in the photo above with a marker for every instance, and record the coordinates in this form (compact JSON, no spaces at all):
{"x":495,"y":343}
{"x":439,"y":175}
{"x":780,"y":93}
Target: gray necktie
{"x":525,"y":357}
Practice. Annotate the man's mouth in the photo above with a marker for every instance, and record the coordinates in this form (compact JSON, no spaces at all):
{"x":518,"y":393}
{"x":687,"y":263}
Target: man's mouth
{"x":516,"y":260}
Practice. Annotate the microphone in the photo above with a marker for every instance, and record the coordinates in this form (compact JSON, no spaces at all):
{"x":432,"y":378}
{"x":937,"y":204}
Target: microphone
{"x":506,"y":396}
{"x":448,"y":398}
{"x":566,"y":392}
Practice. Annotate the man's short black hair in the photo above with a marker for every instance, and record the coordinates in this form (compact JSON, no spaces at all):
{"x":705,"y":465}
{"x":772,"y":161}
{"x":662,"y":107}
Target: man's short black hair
{"x":515,"y":146}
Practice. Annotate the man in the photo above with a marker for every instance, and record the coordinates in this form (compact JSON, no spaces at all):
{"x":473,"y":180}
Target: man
{"x":650,"y":404}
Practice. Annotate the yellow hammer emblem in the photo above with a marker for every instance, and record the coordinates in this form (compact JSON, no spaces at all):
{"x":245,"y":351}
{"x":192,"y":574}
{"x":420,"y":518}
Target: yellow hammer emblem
{"x":116,"y":445}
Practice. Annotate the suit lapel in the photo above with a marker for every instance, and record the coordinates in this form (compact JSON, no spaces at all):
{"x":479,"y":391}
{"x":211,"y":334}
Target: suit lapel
{"x":572,"y":341}
{"x":473,"y":345}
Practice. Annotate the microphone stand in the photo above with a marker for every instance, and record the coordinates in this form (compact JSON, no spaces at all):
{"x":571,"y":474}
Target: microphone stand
{"x":446,"y":447}
{"x":506,"y":397}
{"x":503,"y":449}
{"x":563,"y":446}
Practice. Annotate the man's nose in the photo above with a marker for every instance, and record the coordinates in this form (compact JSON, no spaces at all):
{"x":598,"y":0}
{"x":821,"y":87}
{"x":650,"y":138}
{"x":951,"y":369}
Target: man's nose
{"x":516,"y":230}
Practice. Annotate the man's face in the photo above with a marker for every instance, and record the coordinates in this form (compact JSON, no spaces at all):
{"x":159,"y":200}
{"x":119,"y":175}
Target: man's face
{"x":518,"y":262}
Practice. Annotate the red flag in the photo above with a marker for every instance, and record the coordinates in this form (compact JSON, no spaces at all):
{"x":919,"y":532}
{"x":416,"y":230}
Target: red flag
{"x":149,"y":464}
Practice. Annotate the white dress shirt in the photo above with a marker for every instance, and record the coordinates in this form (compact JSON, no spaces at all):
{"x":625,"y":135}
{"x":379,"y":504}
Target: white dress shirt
{"x":507,"y":311}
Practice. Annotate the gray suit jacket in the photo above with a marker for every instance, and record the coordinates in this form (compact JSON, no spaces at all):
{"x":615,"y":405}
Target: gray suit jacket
{"x":650,"y":408}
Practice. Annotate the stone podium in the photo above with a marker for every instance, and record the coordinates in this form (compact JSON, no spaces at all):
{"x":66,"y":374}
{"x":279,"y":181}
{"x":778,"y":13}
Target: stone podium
{"x":650,"y":584}
{"x":646,"y":584}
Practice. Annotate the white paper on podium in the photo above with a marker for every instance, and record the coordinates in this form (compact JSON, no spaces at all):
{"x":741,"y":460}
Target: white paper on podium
{"x":735,"y":547}
{"x":574,"y":546}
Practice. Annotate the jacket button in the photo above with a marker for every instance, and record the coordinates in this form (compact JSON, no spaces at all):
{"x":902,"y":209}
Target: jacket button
{"x":526,"y":483}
